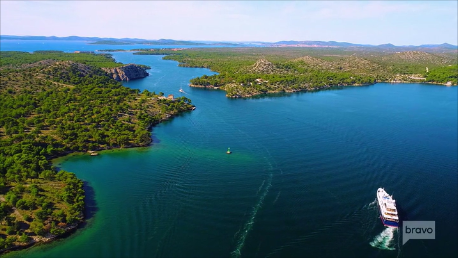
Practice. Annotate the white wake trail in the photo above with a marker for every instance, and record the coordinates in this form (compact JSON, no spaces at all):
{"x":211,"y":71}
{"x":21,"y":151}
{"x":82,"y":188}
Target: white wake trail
{"x":249,"y":224}
{"x":372,"y":204}
{"x":384,"y":240}
{"x":276,"y":198}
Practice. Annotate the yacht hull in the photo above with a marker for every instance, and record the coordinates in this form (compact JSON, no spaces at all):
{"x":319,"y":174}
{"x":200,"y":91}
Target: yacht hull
{"x":387,"y":209}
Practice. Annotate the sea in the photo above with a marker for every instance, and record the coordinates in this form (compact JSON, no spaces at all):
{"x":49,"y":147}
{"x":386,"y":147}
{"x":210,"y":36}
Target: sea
{"x":301,"y":180}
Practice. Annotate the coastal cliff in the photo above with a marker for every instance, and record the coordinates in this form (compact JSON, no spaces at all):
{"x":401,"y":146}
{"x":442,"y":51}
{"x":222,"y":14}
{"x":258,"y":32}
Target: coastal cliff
{"x":127,"y":72}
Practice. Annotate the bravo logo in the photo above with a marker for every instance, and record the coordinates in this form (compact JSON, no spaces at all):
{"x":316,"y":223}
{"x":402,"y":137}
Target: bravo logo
{"x":418,"y":230}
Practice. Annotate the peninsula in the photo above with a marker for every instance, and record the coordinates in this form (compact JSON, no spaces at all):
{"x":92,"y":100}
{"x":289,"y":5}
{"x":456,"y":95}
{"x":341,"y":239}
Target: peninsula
{"x":54,"y":103}
{"x":247,"y":72}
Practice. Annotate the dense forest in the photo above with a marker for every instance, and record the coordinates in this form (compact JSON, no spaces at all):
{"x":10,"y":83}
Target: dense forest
{"x":16,"y":59}
{"x":245,"y":72}
{"x":53,"y":103}
{"x":444,"y":74}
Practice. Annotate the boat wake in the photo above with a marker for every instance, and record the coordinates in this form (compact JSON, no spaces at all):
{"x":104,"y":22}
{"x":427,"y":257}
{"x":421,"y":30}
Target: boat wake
{"x":242,"y":235}
{"x":260,"y":188}
{"x":262,"y":192}
{"x":276,"y":198}
{"x":384,"y":240}
{"x":372,"y":204}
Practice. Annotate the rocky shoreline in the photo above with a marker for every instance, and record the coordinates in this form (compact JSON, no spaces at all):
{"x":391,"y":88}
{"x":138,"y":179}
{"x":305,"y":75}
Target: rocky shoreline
{"x":203,"y":86}
{"x":309,"y":89}
{"x":273,"y":92}
{"x":38,"y":240}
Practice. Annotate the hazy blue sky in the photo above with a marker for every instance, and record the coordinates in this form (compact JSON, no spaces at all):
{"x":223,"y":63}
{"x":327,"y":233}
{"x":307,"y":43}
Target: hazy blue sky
{"x":367,"y":22}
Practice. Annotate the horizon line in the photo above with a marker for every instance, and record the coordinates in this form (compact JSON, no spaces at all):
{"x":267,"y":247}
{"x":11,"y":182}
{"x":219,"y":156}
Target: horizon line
{"x":228,"y":41}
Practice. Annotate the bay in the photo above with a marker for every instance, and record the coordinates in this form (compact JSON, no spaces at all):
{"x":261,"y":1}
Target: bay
{"x":301,"y":180}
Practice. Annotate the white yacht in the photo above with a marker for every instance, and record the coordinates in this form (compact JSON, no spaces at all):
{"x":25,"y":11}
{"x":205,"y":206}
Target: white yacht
{"x":387,"y":206}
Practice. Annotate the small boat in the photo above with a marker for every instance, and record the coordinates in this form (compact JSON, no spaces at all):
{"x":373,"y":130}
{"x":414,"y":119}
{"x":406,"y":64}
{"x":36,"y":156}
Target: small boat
{"x":388,"y":211}
{"x":181,"y":90}
{"x":228,"y":151}
{"x":93,"y":153}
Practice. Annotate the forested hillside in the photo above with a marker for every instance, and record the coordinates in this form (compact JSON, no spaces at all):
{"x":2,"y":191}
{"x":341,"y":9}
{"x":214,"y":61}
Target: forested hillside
{"x":245,"y":72}
{"x":51,"y":104}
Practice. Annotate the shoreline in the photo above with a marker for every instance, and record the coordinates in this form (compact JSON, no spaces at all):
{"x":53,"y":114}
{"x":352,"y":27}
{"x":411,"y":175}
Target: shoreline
{"x":68,"y":154}
{"x":211,"y":87}
{"x":43,"y":240}
{"x":63,"y":156}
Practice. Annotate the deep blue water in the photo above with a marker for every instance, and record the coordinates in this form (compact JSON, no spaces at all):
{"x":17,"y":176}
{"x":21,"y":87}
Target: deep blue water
{"x":301,"y":180}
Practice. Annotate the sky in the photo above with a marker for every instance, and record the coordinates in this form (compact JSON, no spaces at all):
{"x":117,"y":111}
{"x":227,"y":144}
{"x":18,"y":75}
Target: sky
{"x":362,"y":22}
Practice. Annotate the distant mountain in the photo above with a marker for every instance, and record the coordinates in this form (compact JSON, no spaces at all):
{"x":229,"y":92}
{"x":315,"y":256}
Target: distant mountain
{"x":388,"y":46}
{"x":113,"y":41}
{"x":443,"y":45}
{"x":288,"y":43}
{"x":316,"y":43}
{"x":4,"y":37}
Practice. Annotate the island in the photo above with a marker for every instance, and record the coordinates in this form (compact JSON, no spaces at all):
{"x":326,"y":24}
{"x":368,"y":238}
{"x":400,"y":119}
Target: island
{"x":52,"y":104}
{"x":145,"y":42}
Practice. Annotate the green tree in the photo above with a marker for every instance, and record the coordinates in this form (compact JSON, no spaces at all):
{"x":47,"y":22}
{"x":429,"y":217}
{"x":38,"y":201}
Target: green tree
{"x":24,"y":238}
{"x":37,"y":227}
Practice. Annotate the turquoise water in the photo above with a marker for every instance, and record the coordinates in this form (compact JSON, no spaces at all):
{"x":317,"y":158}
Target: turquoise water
{"x":301,"y":180}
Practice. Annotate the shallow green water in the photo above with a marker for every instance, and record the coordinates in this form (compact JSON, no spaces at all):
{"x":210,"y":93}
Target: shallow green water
{"x":301,"y":180}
